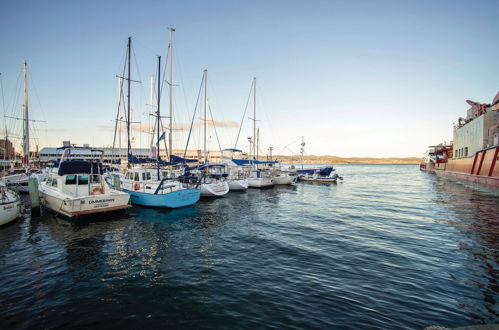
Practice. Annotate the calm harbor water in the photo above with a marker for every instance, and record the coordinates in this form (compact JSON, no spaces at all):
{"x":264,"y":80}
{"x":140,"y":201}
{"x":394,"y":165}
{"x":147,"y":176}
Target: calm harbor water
{"x":388,"y":248}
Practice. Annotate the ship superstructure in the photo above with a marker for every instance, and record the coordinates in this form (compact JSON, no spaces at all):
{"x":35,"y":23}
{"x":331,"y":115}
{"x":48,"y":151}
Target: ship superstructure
{"x":473,"y":154}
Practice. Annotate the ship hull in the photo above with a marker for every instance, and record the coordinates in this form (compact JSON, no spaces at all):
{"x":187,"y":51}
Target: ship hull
{"x":481,"y":169}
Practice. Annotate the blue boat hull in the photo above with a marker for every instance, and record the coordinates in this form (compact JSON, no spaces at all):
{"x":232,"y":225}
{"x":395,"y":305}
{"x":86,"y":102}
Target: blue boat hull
{"x":176,"y":199}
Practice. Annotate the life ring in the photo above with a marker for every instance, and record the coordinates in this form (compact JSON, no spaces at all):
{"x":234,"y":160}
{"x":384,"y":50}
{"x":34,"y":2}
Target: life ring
{"x":136,"y":186}
{"x":96,"y":190}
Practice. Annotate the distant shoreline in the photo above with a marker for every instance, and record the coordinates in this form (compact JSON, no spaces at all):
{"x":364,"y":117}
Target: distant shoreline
{"x":312,"y":159}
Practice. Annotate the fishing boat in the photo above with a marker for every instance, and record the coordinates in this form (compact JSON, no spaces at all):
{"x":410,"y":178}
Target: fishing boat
{"x":10,"y":205}
{"x":76,"y":187}
{"x":472,"y":155}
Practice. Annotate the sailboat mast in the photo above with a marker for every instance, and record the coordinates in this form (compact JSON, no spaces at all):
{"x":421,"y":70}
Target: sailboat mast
{"x":257,"y":142}
{"x":158,"y":113}
{"x":205,"y":106}
{"x":254,"y":117}
{"x":151,"y":113}
{"x":170,"y":138}
{"x":26,"y":120}
{"x":128,"y":97}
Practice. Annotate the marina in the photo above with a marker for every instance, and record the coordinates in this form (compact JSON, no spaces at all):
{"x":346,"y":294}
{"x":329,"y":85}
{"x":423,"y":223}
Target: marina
{"x":307,"y":255}
{"x":258,"y":165}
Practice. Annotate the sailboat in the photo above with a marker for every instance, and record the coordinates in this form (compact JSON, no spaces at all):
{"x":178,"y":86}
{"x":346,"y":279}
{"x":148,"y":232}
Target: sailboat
{"x":146,"y":185}
{"x":10,"y":205}
{"x":19,"y":181}
{"x":257,"y":178}
{"x":213,"y":176}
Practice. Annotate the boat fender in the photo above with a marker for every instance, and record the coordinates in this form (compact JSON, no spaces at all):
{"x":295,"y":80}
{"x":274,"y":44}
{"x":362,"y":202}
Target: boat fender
{"x":136,"y":186}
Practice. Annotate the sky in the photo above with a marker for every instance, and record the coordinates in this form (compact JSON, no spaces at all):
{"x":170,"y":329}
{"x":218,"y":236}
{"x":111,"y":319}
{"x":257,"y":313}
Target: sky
{"x":353,"y":78}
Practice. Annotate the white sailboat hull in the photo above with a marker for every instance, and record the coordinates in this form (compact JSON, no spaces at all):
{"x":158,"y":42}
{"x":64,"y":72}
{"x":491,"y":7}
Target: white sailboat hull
{"x":284,"y":180}
{"x":10,"y":207}
{"x":214,"y":189}
{"x":238,"y":184}
{"x":260,"y":182}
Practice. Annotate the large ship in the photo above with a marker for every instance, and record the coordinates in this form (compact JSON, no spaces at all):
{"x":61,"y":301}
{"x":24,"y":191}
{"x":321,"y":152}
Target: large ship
{"x":473,"y":154}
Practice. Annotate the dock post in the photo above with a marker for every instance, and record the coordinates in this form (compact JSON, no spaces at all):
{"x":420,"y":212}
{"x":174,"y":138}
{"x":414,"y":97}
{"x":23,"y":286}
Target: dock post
{"x":34,"y":197}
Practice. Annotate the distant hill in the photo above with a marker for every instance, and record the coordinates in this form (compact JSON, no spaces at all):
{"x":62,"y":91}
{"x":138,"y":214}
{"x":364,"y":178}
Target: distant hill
{"x":313,"y":159}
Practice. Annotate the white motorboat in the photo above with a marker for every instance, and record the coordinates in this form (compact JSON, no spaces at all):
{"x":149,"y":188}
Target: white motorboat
{"x":322,"y":174}
{"x":10,"y":205}
{"x":77,"y":188}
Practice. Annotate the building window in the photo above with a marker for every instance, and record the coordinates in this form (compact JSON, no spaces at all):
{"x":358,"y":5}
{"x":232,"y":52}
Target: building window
{"x":466,"y":152}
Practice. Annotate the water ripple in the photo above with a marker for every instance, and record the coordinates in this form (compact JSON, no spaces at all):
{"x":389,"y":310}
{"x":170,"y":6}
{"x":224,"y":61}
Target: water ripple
{"x":389,"y":248}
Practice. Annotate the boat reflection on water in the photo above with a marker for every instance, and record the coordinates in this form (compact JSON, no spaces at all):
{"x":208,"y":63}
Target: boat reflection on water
{"x":473,"y":214}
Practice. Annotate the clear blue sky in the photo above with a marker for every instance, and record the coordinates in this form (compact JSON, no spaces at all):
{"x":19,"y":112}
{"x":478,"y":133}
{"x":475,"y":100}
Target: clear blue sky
{"x":356,"y":78}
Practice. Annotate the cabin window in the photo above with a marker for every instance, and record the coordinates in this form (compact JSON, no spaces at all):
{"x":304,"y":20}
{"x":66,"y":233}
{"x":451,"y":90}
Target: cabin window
{"x":137,"y":178}
{"x":71,"y":179}
{"x":82,"y":179}
{"x":54,"y":183}
{"x":143,"y":177}
{"x":127,"y":176}
{"x":95,"y":179}
{"x":148,"y":176}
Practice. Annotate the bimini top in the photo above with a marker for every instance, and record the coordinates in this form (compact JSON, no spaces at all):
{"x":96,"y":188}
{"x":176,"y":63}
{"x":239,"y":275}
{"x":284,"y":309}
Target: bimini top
{"x":79,"y":167}
{"x":323,"y":171}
